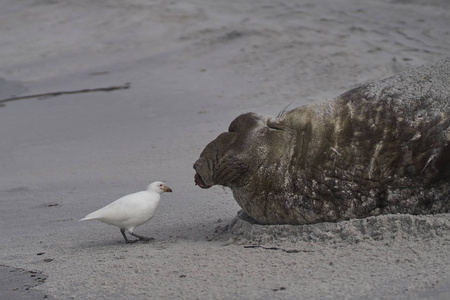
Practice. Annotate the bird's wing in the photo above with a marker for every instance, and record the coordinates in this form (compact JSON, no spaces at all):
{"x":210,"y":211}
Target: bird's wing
{"x":123,"y":208}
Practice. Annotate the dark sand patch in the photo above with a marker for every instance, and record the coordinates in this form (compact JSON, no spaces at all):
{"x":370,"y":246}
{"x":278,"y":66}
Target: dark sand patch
{"x":18,"y":284}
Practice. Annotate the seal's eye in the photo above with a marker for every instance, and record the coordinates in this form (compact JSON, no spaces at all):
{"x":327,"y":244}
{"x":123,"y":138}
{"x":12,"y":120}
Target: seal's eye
{"x":274,"y":126}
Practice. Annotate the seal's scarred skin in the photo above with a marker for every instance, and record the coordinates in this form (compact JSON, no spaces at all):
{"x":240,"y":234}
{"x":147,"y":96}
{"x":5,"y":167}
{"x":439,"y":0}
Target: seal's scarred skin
{"x":380,"y":148}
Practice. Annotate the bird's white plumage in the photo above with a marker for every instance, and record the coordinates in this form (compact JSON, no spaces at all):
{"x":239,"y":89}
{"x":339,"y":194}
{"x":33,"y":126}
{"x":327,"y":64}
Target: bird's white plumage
{"x":131,"y":210}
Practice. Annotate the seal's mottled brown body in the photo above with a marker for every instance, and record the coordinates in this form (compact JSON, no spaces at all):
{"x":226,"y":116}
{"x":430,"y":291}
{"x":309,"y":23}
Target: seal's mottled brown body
{"x":380,"y":148}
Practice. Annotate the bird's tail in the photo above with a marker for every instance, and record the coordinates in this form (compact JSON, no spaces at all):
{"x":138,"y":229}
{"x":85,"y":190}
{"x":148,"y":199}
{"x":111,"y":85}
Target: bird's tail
{"x":91,"y":216}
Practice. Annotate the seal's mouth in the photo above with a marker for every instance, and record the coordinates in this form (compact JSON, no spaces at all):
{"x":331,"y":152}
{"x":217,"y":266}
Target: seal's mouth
{"x":199,"y":181}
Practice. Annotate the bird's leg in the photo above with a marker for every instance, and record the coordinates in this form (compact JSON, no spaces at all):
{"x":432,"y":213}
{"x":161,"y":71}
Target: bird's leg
{"x":142,"y":238}
{"x":125,"y":237}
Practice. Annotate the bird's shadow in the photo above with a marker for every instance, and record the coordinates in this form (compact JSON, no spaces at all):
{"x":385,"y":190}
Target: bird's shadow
{"x":111,"y":242}
{"x":194,"y":232}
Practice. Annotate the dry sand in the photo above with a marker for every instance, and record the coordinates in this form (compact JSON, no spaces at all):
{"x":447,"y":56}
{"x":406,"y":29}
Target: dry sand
{"x":193,"y":67}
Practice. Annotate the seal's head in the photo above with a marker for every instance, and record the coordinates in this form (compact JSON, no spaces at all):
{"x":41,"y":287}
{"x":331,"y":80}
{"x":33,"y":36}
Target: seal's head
{"x":232,"y":156}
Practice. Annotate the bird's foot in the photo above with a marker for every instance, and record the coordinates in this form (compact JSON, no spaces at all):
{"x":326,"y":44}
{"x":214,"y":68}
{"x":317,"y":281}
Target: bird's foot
{"x":125,"y":237}
{"x":131,"y":241}
{"x":142,"y":238}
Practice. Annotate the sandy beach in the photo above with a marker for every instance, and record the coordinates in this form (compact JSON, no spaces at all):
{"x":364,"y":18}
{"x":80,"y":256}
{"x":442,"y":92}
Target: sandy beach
{"x":156,"y":82}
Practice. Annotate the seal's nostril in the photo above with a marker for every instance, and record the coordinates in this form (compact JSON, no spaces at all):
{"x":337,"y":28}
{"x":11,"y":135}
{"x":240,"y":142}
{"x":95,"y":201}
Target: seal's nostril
{"x":196,"y":166}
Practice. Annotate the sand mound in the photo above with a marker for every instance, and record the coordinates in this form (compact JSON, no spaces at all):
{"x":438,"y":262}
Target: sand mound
{"x":384,"y":227}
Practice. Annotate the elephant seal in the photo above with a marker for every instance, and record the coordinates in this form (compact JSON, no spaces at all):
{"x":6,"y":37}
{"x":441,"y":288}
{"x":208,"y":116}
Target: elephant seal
{"x":381,"y":148}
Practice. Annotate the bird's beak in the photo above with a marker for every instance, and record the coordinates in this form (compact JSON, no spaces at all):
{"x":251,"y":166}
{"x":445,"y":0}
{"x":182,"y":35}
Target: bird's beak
{"x":167,"y":189}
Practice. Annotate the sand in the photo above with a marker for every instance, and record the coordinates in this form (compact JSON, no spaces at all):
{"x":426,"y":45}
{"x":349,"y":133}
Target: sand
{"x":193,"y":66}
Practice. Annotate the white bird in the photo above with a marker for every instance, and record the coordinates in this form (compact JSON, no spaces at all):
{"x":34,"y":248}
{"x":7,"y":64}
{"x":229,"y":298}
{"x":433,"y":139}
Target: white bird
{"x":131,"y":210}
